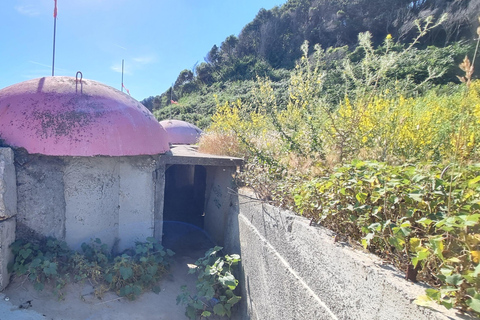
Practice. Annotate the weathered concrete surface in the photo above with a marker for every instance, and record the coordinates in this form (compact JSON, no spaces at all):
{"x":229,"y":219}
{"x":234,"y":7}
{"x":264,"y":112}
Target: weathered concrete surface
{"x":218,"y":200}
{"x":8,"y":211}
{"x":81,"y":198}
{"x":159,"y":200}
{"x":41,"y":201}
{"x":7,"y":237}
{"x":92,"y":189}
{"x":188,"y":154}
{"x":8,"y":189}
{"x":136,"y":213}
{"x":295,"y":271}
{"x":10,"y":312}
{"x":65,"y":116}
{"x":109,"y":198}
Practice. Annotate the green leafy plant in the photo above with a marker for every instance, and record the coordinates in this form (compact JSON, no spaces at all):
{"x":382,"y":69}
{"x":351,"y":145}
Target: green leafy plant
{"x":422,"y":217}
{"x":215,"y":286}
{"x":45,"y":261}
{"x":130,"y":274}
{"x":139,"y":269}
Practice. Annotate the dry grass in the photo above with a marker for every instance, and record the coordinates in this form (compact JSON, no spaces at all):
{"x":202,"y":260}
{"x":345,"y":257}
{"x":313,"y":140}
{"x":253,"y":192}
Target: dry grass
{"x":221,"y":144}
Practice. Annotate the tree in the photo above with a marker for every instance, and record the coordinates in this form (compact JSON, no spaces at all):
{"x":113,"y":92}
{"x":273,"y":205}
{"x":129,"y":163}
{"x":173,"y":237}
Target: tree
{"x":228,"y":46}
{"x":204,"y":73}
{"x":185,"y":76}
{"x":213,"y":56}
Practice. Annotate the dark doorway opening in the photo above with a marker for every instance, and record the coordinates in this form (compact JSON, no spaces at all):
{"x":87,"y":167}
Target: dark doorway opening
{"x":184,"y":204}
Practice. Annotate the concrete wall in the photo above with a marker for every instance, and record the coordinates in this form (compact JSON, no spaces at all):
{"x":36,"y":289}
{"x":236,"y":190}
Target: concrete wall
{"x":218,"y":200}
{"x":295,"y":271}
{"x":8,"y":211}
{"x":81,"y":198}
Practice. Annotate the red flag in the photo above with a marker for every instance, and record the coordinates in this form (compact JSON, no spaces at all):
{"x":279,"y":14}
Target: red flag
{"x":55,"y":10}
{"x":128,"y":91}
{"x":173,"y":101}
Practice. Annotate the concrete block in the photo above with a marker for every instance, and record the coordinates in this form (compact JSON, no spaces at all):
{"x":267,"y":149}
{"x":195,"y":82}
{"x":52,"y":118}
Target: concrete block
{"x":136,"y":201}
{"x":41,"y":202}
{"x":8,"y":184}
{"x":92,"y":186}
{"x":7,"y":237}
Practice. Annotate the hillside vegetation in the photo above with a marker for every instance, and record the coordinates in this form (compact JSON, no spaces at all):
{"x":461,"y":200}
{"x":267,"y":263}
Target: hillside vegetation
{"x":364,"y":116}
{"x":392,"y":164}
{"x":269,"y":46}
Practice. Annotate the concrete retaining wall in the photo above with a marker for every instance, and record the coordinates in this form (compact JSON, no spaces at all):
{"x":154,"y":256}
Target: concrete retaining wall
{"x":295,"y":271}
{"x":8,"y":211}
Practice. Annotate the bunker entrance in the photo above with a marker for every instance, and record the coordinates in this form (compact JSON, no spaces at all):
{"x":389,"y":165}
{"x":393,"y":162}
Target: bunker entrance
{"x":184,"y":207}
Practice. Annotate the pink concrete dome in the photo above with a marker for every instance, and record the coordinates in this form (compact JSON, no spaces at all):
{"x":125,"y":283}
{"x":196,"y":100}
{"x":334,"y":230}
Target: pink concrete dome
{"x":181,"y":132}
{"x":63,"y":116}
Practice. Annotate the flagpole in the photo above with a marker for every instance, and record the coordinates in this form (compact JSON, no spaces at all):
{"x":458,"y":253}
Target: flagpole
{"x":54,"y":36}
{"x":122,"y":73}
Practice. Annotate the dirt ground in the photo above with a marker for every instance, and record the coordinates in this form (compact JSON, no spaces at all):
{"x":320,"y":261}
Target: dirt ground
{"x":80,"y":303}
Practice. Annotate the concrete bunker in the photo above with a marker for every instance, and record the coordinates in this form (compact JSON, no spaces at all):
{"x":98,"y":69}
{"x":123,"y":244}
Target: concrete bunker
{"x":197,"y":197}
{"x":90,"y":162}
{"x":181,"y":132}
{"x":57,"y":183}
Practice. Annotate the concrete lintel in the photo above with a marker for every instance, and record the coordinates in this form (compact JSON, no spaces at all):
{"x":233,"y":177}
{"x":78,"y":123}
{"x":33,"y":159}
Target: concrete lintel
{"x":188,"y":155}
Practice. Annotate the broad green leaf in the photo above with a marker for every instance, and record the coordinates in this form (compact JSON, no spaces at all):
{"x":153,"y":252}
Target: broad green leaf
{"x":415,"y":243}
{"x":447,"y":303}
{"x":190,"y":312}
{"x":424,"y":301}
{"x":416,"y":196}
{"x":477,"y":270}
{"x":228,"y":280}
{"x":233,"y":300}
{"x":454,"y":279}
{"x":375,"y":226}
{"x":396,"y":242}
{"x":38,"y":286}
{"x":437,"y":246}
{"x":474,"y":304}
{"x":218,"y":309}
{"x":424,"y":221}
{"x":206,"y":313}
{"x":361,"y":197}
{"x":126,"y":272}
{"x":109,"y":277}
{"x":454,"y":260}
{"x":446,"y":271}
{"x":421,"y":255}
{"x":433,"y":294}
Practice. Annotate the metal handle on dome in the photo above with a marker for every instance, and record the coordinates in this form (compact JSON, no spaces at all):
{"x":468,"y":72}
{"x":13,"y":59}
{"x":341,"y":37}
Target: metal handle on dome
{"x":76,"y":82}
{"x":76,"y":76}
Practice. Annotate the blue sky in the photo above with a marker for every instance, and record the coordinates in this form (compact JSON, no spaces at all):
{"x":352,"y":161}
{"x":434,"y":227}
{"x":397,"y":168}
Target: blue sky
{"x":156,"y":38}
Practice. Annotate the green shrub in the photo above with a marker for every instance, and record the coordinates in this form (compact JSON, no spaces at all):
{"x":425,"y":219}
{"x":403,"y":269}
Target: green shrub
{"x":215,"y":286}
{"x":51,"y":261}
